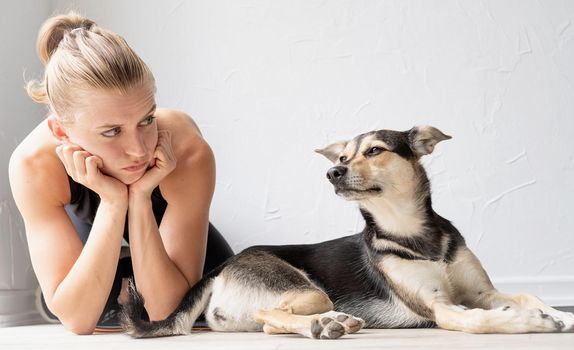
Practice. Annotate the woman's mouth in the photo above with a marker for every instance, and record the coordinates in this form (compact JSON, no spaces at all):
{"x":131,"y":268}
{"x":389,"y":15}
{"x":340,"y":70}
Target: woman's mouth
{"x":136,"y":167}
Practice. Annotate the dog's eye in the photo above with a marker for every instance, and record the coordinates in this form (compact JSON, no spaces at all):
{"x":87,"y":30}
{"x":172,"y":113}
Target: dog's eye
{"x":342,"y":159}
{"x":373,"y":151}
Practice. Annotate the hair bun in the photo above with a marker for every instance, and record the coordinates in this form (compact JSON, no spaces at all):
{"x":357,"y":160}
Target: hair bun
{"x":54,"y":29}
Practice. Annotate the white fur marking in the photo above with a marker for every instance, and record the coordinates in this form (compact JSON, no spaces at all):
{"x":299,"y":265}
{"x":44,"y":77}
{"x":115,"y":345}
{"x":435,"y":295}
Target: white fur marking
{"x":238,"y":303}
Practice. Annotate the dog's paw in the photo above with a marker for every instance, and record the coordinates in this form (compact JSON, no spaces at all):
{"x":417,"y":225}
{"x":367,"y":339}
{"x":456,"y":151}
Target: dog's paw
{"x":351,"y":323}
{"x":566,"y":318}
{"x":538,"y":321}
{"x":510,"y":320}
{"x":328,"y":325}
{"x":327,"y":328}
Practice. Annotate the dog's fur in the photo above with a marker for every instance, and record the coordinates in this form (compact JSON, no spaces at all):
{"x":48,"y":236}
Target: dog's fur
{"x":409,"y":267}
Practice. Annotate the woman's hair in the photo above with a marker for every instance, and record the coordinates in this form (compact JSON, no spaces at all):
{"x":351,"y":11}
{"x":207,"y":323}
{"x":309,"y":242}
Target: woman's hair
{"x":80,"y":57}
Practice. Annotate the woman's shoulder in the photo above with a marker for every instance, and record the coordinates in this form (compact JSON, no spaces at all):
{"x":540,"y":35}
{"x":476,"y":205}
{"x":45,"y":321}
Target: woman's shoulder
{"x":178,"y":122}
{"x":34,"y":164}
{"x":187,"y":140}
{"x":37,"y":148}
{"x":195,"y":159}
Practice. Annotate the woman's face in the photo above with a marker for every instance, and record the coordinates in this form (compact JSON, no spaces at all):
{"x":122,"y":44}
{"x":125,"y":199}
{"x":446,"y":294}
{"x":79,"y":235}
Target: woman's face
{"x":120,"y":129}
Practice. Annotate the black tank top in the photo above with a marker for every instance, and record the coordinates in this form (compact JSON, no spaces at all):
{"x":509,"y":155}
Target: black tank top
{"x":84,"y":203}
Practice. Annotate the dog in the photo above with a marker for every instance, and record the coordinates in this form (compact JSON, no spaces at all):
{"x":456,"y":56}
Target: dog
{"x":409,"y":267}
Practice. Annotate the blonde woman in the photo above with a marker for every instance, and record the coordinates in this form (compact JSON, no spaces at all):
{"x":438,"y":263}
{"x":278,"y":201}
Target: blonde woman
{"x":108,"y":165}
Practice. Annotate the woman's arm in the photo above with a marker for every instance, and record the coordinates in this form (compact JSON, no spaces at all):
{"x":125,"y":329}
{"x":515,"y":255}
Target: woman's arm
{"x":169,"y":259}
{"x":79,"y":299}
{"x":157,"y":277}
{"x":75,"y":280}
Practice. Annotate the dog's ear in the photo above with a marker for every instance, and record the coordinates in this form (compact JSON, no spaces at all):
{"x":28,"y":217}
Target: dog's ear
{"x":422,"y":139}
{"x":332,"y":151}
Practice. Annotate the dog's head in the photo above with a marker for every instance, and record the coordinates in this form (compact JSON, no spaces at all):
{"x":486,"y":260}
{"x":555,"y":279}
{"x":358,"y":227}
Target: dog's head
{"x":380,"y":163}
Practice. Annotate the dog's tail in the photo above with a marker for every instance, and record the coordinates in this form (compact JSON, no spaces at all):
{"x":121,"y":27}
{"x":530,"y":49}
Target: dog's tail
{"x":179,"y":322}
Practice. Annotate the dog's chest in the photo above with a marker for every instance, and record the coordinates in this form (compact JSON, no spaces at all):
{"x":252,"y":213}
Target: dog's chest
{"x":433,"y":246}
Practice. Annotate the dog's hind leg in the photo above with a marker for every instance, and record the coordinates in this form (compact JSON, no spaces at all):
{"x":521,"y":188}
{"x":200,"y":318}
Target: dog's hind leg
{"x":305,"y":302}
{"x":273,"y":330}
{"x":318,"y":326}
{"x":315,"y":301}
{"x":307,"y":312}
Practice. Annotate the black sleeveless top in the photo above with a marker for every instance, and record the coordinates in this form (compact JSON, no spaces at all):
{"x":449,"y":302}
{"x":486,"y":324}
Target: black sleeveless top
{"x":84,"y":203}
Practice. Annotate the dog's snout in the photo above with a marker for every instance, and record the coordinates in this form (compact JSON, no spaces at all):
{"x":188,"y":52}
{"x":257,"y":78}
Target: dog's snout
{"x":335,"y":174}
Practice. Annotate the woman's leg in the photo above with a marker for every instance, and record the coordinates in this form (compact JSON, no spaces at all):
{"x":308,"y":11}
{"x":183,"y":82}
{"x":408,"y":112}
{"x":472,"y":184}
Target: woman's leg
{"x":216,"y":253}
{"x":218,"y":250}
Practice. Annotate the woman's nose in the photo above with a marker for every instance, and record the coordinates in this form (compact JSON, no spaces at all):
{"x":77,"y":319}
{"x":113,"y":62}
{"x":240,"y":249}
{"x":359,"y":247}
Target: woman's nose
{"x":136,"y":146}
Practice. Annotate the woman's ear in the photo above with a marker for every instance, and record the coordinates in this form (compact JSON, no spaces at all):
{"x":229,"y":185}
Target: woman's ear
{"x":57,"y":129}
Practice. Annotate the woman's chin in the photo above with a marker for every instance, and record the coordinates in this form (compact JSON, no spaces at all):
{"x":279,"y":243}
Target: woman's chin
{"x":129,"y":178}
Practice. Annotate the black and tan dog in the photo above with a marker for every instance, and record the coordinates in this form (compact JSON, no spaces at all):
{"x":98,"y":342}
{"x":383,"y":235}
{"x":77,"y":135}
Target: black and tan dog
{"x":409,"y":267}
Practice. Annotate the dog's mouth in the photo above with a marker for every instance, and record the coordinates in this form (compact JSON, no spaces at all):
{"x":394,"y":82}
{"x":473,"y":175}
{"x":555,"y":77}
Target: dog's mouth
{"x":349,"y":190}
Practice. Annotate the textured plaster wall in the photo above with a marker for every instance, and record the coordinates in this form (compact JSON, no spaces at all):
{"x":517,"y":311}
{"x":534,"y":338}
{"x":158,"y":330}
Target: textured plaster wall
{"x":269,"y":81}
{"x":19,"y":26}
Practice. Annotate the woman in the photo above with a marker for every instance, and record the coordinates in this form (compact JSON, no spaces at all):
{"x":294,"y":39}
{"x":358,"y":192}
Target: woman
{"x":107,"y":165}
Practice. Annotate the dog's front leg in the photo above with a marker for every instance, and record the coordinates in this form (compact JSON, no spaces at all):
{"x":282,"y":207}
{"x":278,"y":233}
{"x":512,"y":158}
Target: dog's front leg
{"x":424,"y":287}
{"x":530,"y":302}
{"x":473,"y":288}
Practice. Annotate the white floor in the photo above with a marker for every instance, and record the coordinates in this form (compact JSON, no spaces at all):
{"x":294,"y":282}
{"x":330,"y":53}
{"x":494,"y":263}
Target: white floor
{"x":55,"y":337}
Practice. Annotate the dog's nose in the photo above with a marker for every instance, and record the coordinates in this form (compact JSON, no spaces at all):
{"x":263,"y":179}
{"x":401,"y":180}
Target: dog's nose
{"x":336,"y":173}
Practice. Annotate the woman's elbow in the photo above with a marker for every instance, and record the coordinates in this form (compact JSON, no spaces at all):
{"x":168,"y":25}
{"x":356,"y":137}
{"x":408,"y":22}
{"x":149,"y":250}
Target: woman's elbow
{"x":75,"y":321}
{"x":79,"y":327}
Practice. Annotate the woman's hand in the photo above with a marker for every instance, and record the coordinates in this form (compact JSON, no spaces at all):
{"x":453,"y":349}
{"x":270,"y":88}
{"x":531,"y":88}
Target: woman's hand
{"x":84,"y":168}
{"x":163,"y":163}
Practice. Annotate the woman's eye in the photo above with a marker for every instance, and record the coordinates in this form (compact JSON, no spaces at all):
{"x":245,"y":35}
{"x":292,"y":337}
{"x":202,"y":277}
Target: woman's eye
{"x":149,"y":120}
{"x":111,"y":133}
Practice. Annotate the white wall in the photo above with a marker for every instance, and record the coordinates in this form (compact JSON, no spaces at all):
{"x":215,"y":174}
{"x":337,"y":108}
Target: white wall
{"x":19,"y":26}
{"x":269,"y":81}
